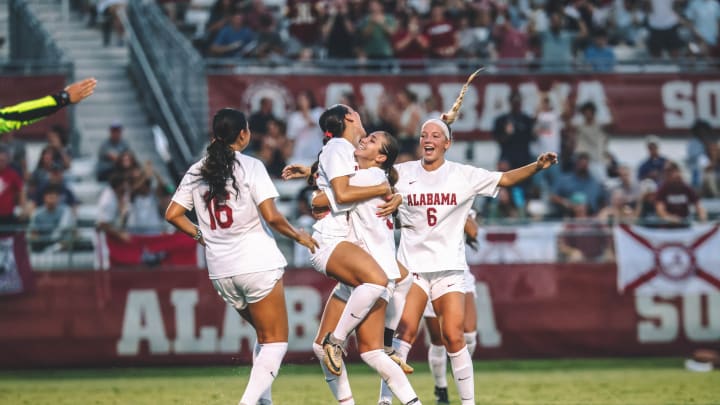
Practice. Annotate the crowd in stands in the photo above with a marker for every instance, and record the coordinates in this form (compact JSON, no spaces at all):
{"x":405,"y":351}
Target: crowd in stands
{"x":543,"y":33}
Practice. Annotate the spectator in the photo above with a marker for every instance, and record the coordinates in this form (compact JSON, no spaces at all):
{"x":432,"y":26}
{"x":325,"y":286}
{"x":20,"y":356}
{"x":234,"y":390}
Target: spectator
{"x":703,"y":16}
{"x":696,"y":150}
{"x":557,"y":43}
{"x":675,"y":197}
{"x":111,"y":10}
{"x":234,"y":39}
{"x":113,"y":208}
{"x":548,"y":138}
{"x":441,"y":32}
{"x":302,"y":129}
{"x":626,"y":19}
{"x":58,"y":142}
{"x":276,"y":148}
{"x":51,"y":223}
{"x":40,"y":175}
{"x":17,"y":153}
{"x":259,"y":119}
{"x":645,"y":208}
{"x":11,"y":191}
{"x":409,"y":42}
{"x":510,"y":42}
{"x":663,"y":26}
{"x":619,"y":211}
{"x":592,"y":139}
{"x":406,"y":120}
{"x":109,"y":151}
{"x":56,"y":179}
{"x":304,"y":19}
{"x":514,"y":132}
{"x":578,"y":181}
{"x":269,"y":43}
{"x":584,"y":239}
{"x":538,"y":21}
{"x":220,"y":15}
{"x":629,"y":189}
{"x":376,"y":31}
{"x":144,"y":217}
{"x":338,"y":31}
{"x":501,"y":208}
{"x":599,"y":55}
{"x":126,"y":165}
{"x":475,"y":35}
{"x":710,"y":187}
{"x":654,"y":166}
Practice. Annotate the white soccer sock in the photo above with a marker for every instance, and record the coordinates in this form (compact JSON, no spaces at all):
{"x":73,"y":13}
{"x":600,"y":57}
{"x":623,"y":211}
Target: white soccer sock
{"x":392,"y":374}
{"x":401,"y":348}
{"x":264,"y":370}
{"x":437,"y":359}
{"x":339,"y":385}
{"x":397,"y":303}
{"x":356,"y":309}
{"x":267,"y":395}
{"x":462,"y":368}
{"x":471,"y":341}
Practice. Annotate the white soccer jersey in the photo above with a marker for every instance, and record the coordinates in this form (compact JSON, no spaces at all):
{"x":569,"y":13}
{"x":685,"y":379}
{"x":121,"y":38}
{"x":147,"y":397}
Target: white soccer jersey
{"x":375,"y":234}
{"x":336,"y":159}
{"x":435,"y":207}
{"x":237,"y":239}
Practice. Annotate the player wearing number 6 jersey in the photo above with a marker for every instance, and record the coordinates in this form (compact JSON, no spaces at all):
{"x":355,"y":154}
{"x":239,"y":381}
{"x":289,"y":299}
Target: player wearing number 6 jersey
{"x":437,"y":197}
{"x":230,"y":192}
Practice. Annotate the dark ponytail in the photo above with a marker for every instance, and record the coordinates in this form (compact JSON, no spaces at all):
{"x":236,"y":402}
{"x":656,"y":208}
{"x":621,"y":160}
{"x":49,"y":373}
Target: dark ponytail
{"x":219,"y":163}
{"x":332,"y":121}
{"x":391,"y":149}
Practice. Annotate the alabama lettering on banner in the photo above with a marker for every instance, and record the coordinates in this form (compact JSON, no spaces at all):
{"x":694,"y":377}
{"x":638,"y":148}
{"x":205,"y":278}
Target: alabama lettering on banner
{"x":668,"y":261}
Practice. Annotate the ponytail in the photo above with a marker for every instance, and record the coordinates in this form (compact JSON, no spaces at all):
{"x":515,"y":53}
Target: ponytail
{"x":450,"y":116}
{"x":219,"y":164}
{"x":332,"y":122}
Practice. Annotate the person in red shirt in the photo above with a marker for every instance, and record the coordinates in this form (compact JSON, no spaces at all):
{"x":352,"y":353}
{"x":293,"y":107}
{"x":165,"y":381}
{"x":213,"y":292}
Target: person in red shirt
{"x":305,"y":21}
{"x":442,"y":34}
{"x":674,"y":198}
{"x":409,"y":42}
{"x":11,"y":191}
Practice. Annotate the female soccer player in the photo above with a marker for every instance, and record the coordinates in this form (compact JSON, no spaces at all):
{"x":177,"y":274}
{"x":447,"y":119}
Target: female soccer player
{"x":375,"y":155}
{"x":230,"y":192}
{"x":438,"y":195}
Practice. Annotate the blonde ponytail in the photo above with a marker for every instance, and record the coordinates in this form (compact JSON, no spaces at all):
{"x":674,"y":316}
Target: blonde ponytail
{"x":450,"y":116}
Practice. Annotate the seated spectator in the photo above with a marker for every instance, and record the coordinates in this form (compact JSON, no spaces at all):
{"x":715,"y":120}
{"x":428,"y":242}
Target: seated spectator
{"x":56,"y":179}
{"x":58,"y":142}
{"x":12,"y":194}
{"x":234,"y":39}
{"x":126,"y":165}
{"x":696,"y":150}
{"x":409,"y":42}
{"x":40,"y":175}
{"x":405,"y":117}
{"x":618,"y":211}
{"x":269,"y":43}
{"x":703,"y":16}
{"x":675,"y":198}
{"x":273,"y":150}
{"x":599,"y":55}
{"x":338,"y":31}
{"x":144,"y":211}
{"x":113,"y":209}
{"x":653,"y":167}
{"x":303,"y":130}
{"x":220,"y":15}
{"x":376,"y":30}
{"x":645,"y":212}
{"x":629,"y":190}
{"x":578,"y":181}
{"x":441,"y":32}
{"x":109,"y":152}
{"x":257,"y":122}
{"x":52,"y":222}
{"x":584,"y":239}
{"x":710,"y":187}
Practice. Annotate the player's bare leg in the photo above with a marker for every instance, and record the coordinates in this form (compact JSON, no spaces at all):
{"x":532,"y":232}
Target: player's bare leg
{"x":450,"y":309}
{"x":269,"y":317}
{"x":470,"y":326}
{"x":339,"y":384}
{"x":352,"y":266}
{"x":370,"y":345}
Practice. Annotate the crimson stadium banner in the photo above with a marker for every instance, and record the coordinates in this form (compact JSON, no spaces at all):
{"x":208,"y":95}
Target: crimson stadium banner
{"x":16,"y":89}
{"x":171,"y":249}
{"x":632,"y":104}
{"x":163,"y":317}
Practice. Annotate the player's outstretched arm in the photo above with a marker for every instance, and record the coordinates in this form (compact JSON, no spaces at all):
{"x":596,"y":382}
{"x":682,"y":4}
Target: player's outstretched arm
{"x":278,"y":222}
{"x":515,"y":176}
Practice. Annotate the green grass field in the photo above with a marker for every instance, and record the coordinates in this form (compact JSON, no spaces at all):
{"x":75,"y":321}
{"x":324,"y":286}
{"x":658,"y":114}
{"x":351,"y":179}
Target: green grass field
{"x":561,"y":382}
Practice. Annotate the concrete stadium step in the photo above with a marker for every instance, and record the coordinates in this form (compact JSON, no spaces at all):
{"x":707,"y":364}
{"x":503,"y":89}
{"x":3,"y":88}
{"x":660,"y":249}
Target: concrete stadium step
{"x":86,"y":192}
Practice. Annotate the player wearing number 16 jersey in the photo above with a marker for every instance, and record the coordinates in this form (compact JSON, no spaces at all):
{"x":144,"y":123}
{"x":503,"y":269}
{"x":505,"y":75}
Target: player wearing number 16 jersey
{"x":230,"y":192}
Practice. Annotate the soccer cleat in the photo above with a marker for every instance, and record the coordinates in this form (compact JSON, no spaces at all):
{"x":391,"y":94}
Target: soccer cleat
{"x":385,"y":402}
{"x":406,"y":368}
{"x":263,"y":401}
{"x":441,"y":396}
{"x":333,"y":354}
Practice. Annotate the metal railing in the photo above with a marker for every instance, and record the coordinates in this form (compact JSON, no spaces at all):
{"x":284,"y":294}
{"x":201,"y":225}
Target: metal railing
{"x":29,"y":40}
{"x":170,"y":75}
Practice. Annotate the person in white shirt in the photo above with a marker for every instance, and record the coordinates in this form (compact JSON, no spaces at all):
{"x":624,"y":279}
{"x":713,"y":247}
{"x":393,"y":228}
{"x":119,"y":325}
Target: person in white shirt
{"x":341,"y":257}
{"x":375,"y":155}
{"x":437,"y":197}
{"x":233,"y":197}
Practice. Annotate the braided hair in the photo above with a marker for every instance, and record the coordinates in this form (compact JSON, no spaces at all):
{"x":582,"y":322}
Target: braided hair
{"x":218,"y":166}
{"x":451,"y":115}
